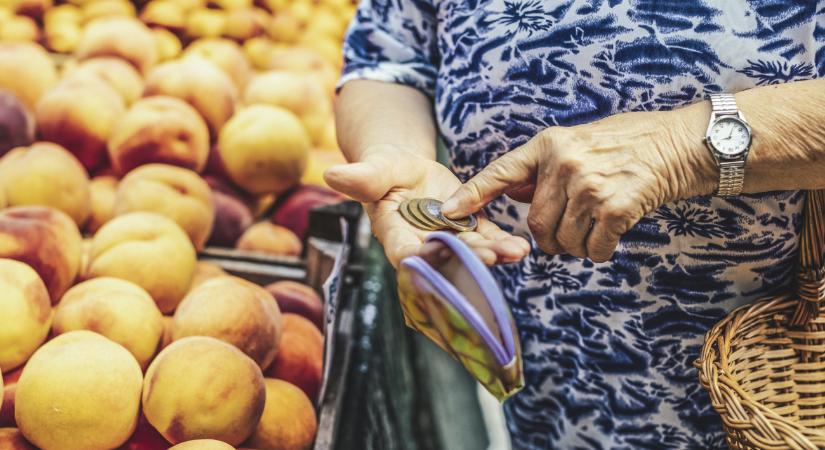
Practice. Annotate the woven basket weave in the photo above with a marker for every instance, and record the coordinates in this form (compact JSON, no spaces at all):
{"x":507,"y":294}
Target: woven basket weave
{"x":764,"y":364}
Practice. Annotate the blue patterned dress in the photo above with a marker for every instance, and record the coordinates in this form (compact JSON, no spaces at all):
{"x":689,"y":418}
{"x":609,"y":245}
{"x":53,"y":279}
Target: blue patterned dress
{"x":608,"y":348}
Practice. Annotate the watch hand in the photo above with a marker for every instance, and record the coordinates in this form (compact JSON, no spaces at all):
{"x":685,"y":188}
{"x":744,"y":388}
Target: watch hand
{"x":730,"y":134}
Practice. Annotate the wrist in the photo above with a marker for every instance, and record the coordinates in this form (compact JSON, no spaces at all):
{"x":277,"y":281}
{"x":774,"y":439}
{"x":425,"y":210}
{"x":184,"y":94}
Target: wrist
{"x":700,"y":174}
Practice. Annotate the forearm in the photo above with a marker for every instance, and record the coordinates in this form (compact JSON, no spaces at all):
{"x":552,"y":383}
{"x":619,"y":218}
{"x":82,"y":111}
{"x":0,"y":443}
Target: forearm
{"x":788,"y":148}
{"x":372,"y":115}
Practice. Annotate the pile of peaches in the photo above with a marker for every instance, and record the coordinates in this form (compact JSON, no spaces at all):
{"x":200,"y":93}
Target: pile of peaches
{"x":131,"y":138}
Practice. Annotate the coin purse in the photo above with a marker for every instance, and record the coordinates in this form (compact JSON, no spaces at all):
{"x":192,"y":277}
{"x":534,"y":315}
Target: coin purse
{"x":458,"y":305}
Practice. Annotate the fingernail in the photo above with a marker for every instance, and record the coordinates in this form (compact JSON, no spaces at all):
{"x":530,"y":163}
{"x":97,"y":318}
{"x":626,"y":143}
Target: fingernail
{"x":450,"y":206}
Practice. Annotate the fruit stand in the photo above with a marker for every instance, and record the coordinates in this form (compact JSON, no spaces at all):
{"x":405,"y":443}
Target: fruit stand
{"x":173,"y":269}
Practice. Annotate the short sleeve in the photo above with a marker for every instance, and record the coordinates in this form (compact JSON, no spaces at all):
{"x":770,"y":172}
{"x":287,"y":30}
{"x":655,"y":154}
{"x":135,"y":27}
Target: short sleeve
{"x":392,"y":41}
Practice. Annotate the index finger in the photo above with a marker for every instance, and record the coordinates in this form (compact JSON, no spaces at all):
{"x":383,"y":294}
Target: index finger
{"x":511,"y":169}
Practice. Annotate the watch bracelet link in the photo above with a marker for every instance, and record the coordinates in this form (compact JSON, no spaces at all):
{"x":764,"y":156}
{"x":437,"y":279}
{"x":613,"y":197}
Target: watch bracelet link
{"x":731,"y":178}
{"x":724,"y":104}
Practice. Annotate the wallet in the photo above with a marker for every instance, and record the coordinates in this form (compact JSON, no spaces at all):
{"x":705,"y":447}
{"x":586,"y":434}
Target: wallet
{"x":457,"y":304}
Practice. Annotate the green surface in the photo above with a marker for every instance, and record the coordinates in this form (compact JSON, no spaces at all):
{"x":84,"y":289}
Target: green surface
{"x":402,"y":391}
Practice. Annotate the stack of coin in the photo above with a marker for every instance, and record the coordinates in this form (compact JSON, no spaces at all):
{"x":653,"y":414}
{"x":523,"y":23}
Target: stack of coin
{"x":425,"y":213}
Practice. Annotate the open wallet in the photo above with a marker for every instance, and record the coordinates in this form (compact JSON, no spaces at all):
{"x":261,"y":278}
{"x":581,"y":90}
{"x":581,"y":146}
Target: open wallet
{"x":457,"y":304}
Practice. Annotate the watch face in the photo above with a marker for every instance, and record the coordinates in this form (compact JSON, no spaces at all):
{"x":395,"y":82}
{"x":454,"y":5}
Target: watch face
{"x":729,"y":136}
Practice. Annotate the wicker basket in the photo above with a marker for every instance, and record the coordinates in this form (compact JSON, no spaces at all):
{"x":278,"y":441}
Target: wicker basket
{"x":764,"y":364}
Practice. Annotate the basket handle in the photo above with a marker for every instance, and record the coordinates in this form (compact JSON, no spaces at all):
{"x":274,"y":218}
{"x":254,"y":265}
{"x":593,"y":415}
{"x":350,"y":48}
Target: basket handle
{"x":811,"y":274}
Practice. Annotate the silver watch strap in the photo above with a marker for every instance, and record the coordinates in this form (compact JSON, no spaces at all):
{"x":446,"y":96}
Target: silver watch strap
{"x":731,"y":173}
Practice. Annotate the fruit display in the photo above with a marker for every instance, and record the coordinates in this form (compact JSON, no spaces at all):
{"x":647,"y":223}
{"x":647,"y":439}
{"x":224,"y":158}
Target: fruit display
{"x":133,"y":137}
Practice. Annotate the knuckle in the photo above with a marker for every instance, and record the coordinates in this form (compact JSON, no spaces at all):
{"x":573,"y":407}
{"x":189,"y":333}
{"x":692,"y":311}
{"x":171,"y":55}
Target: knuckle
{"x":537,"y":224}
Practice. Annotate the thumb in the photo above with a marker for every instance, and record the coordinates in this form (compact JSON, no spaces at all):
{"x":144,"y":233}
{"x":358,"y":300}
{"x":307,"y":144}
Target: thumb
{"x":365,"y":181}
{"x":512,"y":169}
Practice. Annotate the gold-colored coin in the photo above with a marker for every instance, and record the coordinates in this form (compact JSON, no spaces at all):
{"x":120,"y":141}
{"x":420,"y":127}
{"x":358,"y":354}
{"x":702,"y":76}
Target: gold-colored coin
{"x":405,"y":211}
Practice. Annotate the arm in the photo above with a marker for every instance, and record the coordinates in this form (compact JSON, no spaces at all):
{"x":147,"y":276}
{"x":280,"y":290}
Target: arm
{"x":589,"y":184}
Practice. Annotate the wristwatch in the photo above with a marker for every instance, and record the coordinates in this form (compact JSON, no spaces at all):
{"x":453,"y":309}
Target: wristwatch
{"x":729,"y":139}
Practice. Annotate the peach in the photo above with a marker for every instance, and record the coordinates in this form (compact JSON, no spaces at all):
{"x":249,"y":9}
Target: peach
{"x":102,"y":188}
{"x":235,"y":311}
{"x":62,"y":37}
{"x":243,"y":24}
{"x":46,"y":174}
{"x":298,"y":298}
{"x":16,"y":125}
{"x":79,"y":114}
{"x":117,"y":309}
{"x":264,"y":149}
{"x":307,"y":61}
{"x":47,"y":240}
{"x":188,"y":79}
{"x":203,"y":444}
{"x":149,"y":250}
{"x":159,"y":129}
{"x":79,"y":391}
{"x":202,"y":388}
{"x":284,"y":27}
{"x":325,"y":23}
{"x":19,"y":29}
{"x":171,"y":191}
{"x":12,"y":439}
{"x":258,"y":51}
{"x":206,"y":270}
{"x":106,"y":9}
{"x":190,"y":5}
{"x":205,"y":23}
{"x":296,"y":204}
{"x":123,"y":37}
{"x":229,"y":5}
{"x":288,"y":421}
{"x":295,"y":92}
{"x":269,"y":238}
{"x":25,"y":313}
{"x":232,"y":214}
{"x":225,"y":54}
{"x":300,"y":358}
{"x":168,"y":45}
{"x":166,"y":14}
{"x":65,"y":13}
{"x":117,"y":73}
{"x":26,"y":70}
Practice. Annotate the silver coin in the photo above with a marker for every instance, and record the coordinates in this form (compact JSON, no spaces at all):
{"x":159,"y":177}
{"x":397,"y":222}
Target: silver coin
{"x":416,"y":211}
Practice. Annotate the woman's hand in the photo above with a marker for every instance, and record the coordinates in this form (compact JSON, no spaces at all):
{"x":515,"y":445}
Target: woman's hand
{"x":589,"y":184}
{"x":387,"y":176}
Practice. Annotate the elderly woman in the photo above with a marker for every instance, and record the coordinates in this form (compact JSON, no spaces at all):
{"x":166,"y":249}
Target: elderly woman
{"x":653,"y":151}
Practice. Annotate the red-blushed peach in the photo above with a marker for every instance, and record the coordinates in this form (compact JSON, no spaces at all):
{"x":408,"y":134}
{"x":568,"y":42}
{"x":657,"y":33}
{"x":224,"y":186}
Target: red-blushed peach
{"x":188,"y":79}
{"x":122,"y":37}
{"x":300,"y":357}
{"x":203,"y":444}
{"x":232,"y":213}
{"x":159,"y":129}
{"x":80,"y":114}
{"x":203,"y":388}
{"x":8,"y":394}
{"x":79,"y":391}
{"x":25,"y":313}
{"x":235,"y":311}
{"x":117,"y":73}
{"x":265,"y":237}
{"x":149,"y":250}
{"x":206,"y":270}
{"x":16,"y":124}
{"x":32,"y":8}
{"x":26,"y":70}
{"x":288,"y":421}
{"x":145,"y":437}
{"x":243,"y":24}
{"x":102,"y":189}
{"x":298,"y":298}
{"x":177,"y":193}
{"x":264,"y":149}
{"x":12,"y":439}
{"x":295,"y":205}
{"x":296,"y":92}
{"x":47,"y":240}
{"x":46,"y":174}
{"x":117,"y":309}
{"x":225,"y":54}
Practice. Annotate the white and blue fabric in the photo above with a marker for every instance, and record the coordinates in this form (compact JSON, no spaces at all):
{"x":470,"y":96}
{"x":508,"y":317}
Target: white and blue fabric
{"x":608,"y":348}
